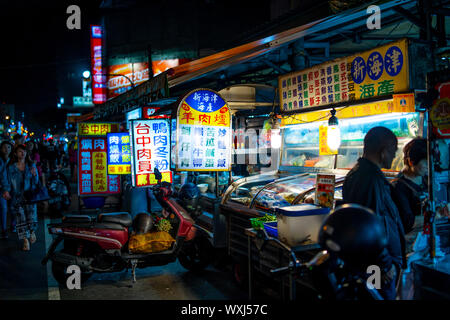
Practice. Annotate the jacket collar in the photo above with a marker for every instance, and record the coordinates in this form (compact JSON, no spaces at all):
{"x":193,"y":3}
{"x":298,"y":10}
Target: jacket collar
{"x":369,"y":166}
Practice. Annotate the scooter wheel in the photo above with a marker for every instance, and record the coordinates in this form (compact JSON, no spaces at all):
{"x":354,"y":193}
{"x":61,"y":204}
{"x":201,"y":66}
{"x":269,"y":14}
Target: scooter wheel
{"x":59,"y":269}
{"x":60,"y":275}
{"x":195,"y":255}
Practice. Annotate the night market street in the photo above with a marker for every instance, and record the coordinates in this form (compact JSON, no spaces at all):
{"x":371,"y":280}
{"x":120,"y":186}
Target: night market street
{"x":32,"y":281}
{"x":288,"y":152}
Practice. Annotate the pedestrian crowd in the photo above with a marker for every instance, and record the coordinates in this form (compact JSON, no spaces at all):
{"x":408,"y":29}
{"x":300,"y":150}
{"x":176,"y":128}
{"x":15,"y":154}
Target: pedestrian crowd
{"x":24,"y":165}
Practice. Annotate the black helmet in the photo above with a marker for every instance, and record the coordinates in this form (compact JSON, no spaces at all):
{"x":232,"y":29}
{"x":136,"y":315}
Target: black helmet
{"x":142,"y":223}
{"x":354,"y":233}
{"x":189,"y":195}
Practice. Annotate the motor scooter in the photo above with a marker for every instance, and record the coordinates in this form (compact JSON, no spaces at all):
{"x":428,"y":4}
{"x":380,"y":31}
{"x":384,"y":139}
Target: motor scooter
{"x":332,"y":278}
{"x":101,"y":245}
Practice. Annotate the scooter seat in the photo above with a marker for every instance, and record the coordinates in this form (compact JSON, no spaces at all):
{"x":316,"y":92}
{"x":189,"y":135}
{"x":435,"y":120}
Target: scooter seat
{"x":76,"y":219}
{"x":122,"y":218}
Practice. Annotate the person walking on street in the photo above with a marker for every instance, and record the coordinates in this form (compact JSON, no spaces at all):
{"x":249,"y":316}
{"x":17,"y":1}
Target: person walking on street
{"x":366,"y":185}
{"x":33,"y":152}
{"x":22,"y":176}
{"x":5,"y":150}
{"x":19,"y":139}
{"x":73,"y":156}
{"x":52,"y":156}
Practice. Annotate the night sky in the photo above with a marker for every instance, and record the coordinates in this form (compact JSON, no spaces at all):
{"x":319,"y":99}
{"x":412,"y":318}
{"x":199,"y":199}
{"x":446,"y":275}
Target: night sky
{"x":38,"y":50}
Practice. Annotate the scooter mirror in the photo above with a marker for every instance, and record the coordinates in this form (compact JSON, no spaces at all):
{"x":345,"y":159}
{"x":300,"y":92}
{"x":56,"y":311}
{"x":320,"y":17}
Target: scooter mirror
{"x":158,"y":175}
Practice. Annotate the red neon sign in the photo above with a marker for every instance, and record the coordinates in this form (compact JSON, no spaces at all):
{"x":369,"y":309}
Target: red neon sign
{"x":98,"y":77}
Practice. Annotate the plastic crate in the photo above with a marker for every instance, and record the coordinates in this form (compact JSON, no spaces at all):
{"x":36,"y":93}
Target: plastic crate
{"x":271,"y":228}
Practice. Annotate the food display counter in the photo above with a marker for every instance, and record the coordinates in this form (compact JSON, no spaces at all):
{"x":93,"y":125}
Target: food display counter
{"x":295,"y":180}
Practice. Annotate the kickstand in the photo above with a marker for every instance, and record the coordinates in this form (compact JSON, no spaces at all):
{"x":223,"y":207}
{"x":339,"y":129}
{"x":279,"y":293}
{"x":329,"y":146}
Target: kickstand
{"x":133,"y":269}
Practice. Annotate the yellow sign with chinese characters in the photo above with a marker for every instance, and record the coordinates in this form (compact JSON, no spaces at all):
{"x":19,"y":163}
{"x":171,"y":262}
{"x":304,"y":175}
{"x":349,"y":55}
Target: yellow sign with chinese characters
{"x":400,"y":103}
{"x":324,"y":150}
{"x":149,"y":179}
{"x":97,"y":129}
{"x":100,"y":179}
{"x":375,"y":73}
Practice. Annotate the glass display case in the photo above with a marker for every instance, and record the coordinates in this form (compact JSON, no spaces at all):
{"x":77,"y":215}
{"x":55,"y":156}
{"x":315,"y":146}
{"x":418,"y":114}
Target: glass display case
{"x":270,"y":191}
{"x":301,"y":142}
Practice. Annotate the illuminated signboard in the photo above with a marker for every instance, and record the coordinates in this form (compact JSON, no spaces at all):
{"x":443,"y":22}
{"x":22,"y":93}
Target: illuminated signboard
{"x":92,"y":172}
{"x":136,"y":72}
{"x":164,"y":65}
{"x":119,"y":153}
{"x":98,"y":75}
{"x":150,"y":149}
{"x":379,"y":72}
{"x":97,"y":129}
{"x":203,"y":132}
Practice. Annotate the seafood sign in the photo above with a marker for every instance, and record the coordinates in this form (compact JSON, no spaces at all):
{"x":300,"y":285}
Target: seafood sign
{"x":203,"y":132}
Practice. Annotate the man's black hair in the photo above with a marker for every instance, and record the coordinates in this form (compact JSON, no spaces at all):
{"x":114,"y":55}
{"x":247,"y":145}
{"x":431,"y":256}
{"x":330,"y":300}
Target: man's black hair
{"x":415,"y":150}
{"x":378,"y":138}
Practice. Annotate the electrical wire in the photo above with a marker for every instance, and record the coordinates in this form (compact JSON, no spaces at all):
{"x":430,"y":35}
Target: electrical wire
{"x":318,"y":119}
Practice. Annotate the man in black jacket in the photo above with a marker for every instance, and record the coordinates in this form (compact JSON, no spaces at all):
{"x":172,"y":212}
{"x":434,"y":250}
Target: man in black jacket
{"x":366,"y":185}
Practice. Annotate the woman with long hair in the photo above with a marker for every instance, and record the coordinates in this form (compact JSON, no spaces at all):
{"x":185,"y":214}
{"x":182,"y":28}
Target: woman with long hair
{"x":22,"y":176}
{"x":5,"y":150}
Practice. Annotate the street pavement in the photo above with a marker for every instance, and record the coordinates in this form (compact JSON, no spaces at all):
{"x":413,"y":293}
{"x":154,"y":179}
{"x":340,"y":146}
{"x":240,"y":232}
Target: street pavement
{"x":22,"y":277}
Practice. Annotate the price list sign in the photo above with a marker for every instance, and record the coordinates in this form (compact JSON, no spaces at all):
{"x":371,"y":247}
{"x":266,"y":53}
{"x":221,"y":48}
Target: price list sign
{"x":93,"y":177}
{"x":203,"y":132}
{"x":378,"y":72}
{"x":119,"y":153}
{"x":150,"y":144}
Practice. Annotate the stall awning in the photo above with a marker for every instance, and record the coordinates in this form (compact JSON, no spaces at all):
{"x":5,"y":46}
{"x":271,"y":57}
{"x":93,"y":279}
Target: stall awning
{"x":272,"y":51}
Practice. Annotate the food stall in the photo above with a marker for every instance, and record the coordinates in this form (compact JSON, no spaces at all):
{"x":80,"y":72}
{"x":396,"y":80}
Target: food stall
{"x":360,"y":98}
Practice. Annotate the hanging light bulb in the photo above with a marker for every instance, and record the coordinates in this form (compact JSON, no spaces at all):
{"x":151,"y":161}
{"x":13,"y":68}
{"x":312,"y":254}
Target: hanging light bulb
{"x":333,"y":132}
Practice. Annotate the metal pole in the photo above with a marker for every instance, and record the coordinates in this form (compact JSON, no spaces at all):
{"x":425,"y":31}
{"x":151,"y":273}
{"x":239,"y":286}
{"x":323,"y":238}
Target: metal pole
{"x":431,"y":207}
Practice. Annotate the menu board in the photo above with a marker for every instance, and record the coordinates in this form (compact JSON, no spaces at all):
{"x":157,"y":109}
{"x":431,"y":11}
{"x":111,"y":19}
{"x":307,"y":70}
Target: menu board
{"x":203,"y":132}
{"x":150,"y":144}
{"x":119,"y":153}
{"x":325,"y":190}
{"x":93,"y":177}
{"x":378,"y":72}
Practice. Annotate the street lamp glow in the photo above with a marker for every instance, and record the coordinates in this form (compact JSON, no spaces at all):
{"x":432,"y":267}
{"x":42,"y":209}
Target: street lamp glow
{"x":86,"y":74}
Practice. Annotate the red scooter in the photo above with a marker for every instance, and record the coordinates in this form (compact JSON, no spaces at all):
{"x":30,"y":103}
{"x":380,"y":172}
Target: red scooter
{"x":101,"y":245}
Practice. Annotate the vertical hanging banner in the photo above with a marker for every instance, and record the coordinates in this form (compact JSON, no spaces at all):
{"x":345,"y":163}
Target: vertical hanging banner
{"x":93,"y":177}
{"x":150,"y":144}
{"x":375,"y":73}
{"x":203,"y":132}
{"x":119,"y":153}
{"x":98,"y":75}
